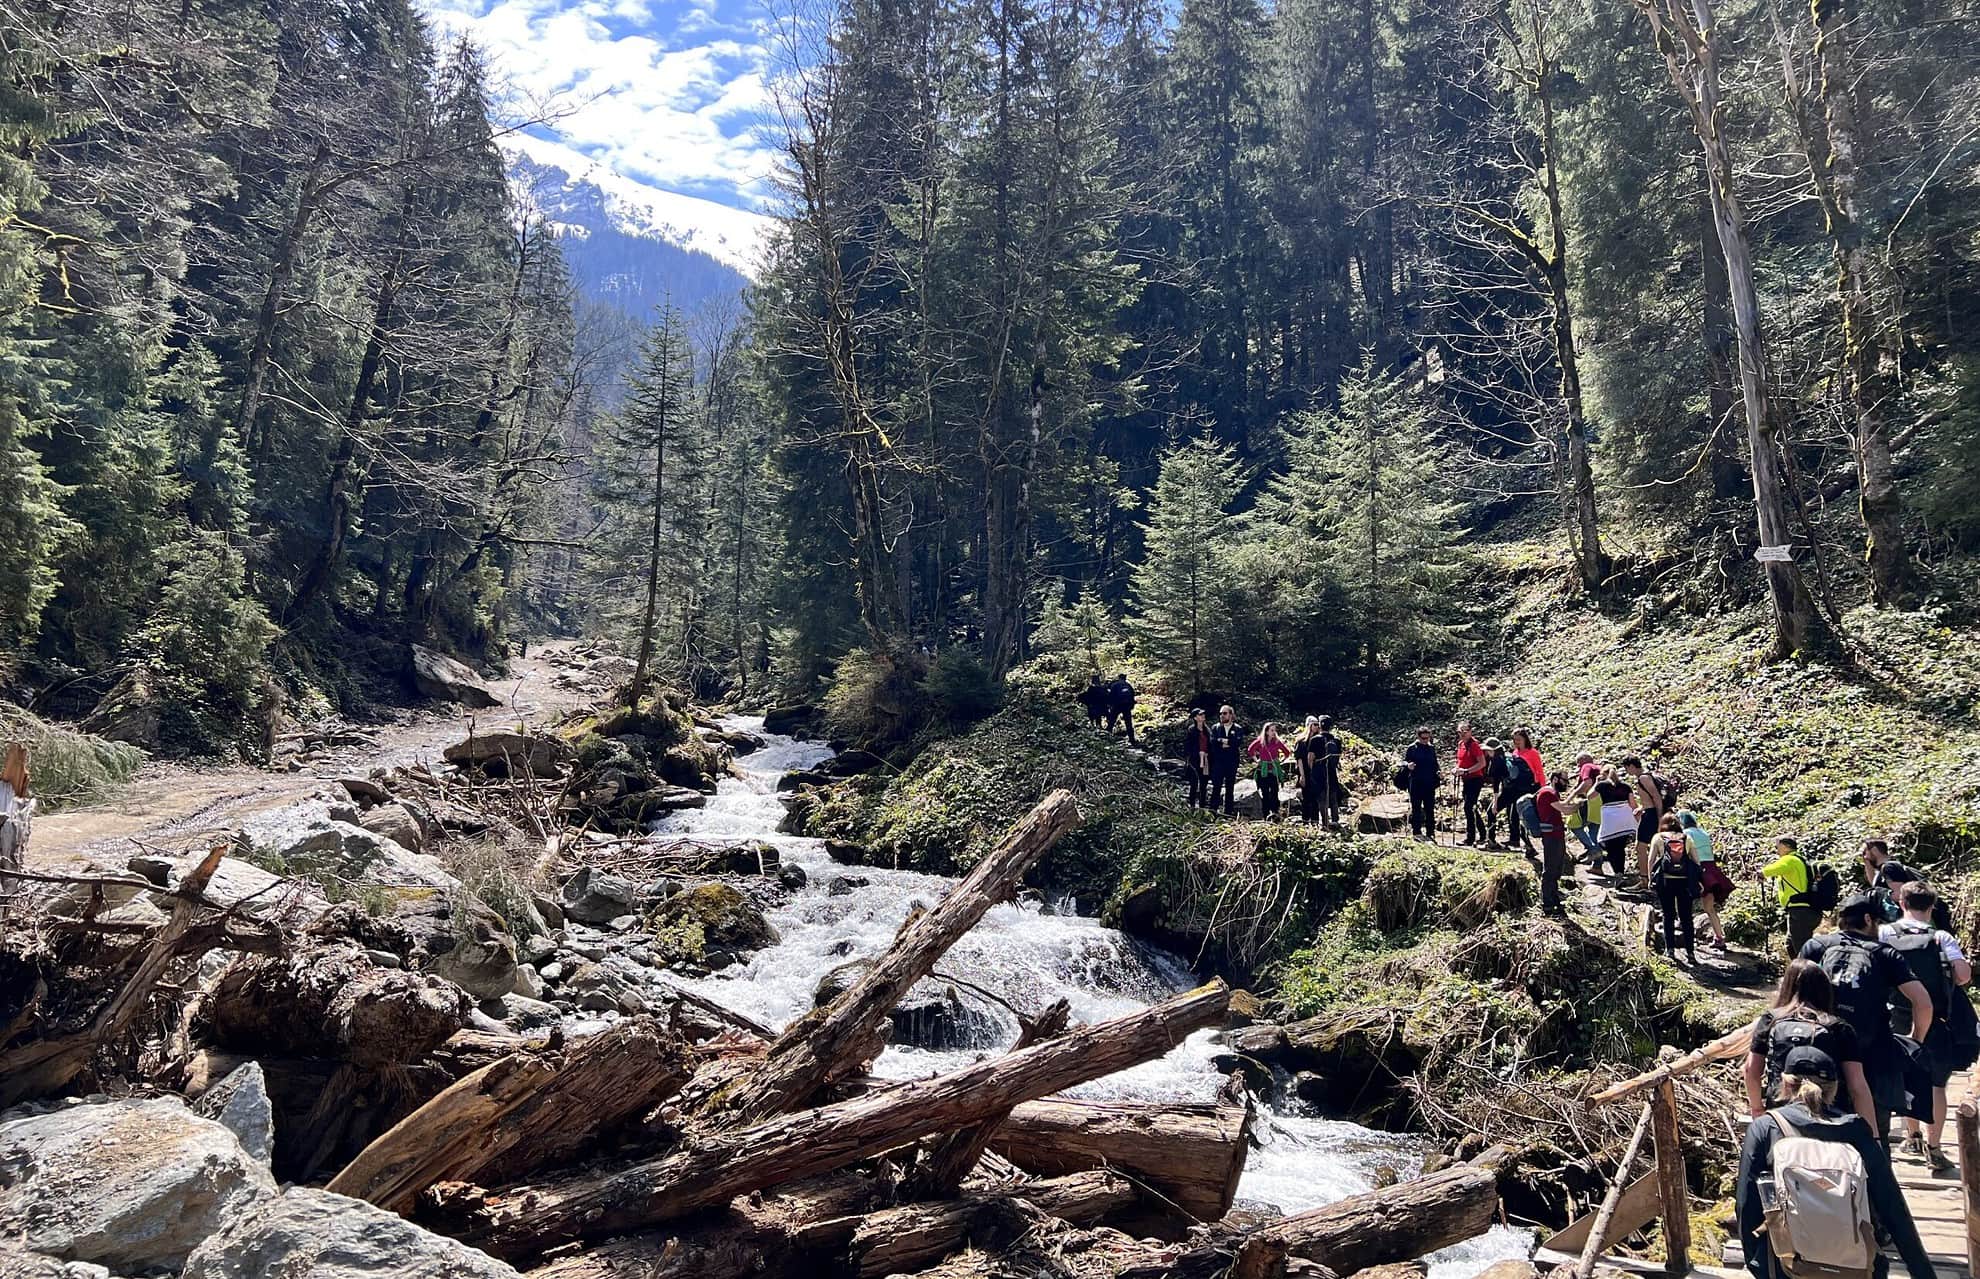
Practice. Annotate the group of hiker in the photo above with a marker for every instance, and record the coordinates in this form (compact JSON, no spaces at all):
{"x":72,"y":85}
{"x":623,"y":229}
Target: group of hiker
{"x":1869,"y":1023}
{"x":1110,"y":704}
{"x":1214,"y":751}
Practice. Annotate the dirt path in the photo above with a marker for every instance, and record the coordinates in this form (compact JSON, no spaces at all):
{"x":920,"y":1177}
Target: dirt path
{"x":176,"y":804}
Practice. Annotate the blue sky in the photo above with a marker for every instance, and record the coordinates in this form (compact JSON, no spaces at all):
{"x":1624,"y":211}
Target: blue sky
{"x":669,"y":92}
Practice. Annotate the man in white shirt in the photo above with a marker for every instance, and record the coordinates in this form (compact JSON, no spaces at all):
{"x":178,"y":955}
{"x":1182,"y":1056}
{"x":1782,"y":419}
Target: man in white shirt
{"x":1940,"y":964}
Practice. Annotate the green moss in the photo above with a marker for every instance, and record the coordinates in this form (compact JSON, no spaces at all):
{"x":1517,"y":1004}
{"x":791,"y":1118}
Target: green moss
{"x":704,"y":918}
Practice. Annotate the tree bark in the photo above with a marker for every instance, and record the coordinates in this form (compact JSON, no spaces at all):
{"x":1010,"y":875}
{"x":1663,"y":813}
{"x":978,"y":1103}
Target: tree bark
{"x":811,"y":1228}
{"x":1687,"y":37}
{"x":261,"y":349}
{"x":1398,"y":1223}
{"x":1190,"y":1154}
{"x":830,"y":1043}
{"x":945,"y":1163}
{"x":1870,"y":391}
{"x":527,"y":1112}
{"x":332,"y":1002}
{"x":525,"y":1220}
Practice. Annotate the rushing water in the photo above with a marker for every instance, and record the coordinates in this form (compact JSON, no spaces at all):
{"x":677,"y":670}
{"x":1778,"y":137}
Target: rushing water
{"x":1027,"y":956}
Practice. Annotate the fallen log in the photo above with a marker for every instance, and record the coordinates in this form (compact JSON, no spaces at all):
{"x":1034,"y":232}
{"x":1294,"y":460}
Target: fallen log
{"x":527,"y":1112}
{"x":523,"y":1221}
{"x":947,"y":1160}
{"x":1189,"y":1153}
{"x":825,"y":1227}
{"x":832,"y":1042}
{"x":1397,"y":1223}
{"x":916,"y":1235}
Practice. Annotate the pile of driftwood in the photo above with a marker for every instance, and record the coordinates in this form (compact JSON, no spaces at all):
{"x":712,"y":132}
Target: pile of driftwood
{"x":698,"y":1144}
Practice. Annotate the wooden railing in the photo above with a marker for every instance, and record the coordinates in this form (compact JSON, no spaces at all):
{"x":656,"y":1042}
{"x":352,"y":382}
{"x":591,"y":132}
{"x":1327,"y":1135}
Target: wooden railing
{"x":1967,"y":1122}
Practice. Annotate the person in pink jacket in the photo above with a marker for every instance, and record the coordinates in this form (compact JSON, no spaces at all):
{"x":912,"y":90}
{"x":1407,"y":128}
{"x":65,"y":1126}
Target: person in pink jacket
{"x":1270,"y":758}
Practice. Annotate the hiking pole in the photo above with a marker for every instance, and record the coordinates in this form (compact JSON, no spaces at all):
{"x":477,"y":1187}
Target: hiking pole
{"x":1593,"y":1248}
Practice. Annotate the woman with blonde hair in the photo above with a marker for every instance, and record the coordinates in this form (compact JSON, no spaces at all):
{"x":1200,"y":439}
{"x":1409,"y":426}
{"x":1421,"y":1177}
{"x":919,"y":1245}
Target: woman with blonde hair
{"x":1268,"y":755}
{"x":13,"y":802}
{"x":1800,"y":1135}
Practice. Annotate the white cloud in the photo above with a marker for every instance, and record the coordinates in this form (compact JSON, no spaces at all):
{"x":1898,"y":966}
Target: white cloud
{"x":670,"y":92}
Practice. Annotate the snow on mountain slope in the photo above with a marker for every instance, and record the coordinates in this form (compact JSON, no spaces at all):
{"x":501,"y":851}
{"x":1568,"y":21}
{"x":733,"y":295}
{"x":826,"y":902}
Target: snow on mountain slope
{"x":582,"y":197}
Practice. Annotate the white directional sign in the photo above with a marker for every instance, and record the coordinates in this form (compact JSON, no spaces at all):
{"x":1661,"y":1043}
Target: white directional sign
{"x":1773,"y":554}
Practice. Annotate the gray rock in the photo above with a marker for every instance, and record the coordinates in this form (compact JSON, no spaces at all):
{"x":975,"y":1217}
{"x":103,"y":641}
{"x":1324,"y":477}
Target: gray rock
{"x":128,"y":1184}
{"x":384,"y":959}
{"x":304,"y":839}
{"x":365,"y":790}
{"x":395,"y":822}
{"x":240,"y":1101}
{"x":19,"y":1263}
{"x":548,"y":909}
{"x":552,"y":971}
{"x":522,"y":1013}
{"x":439,"y":676}
{"x":528,"y":983}
{"x":313,"y":1234}
{"x":792,"y":876}
{"x":597,"y":897}
{"x":843,"y":885}
{"x":504,"y":752}
{"x":603,"y":988}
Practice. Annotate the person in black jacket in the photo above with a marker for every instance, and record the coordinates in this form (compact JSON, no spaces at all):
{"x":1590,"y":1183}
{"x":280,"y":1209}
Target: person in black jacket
{"x":1420,"y":759}
{"x":1677,"y":879}
{"x":1870,"y":978}
{"x":1332,"y":793}
{"x":1226,"y":750}
{"x":1806,"y":1106}
{"x":1121,"y":703}
{"x":1196,"y":757}
{"x":1095,"y":697}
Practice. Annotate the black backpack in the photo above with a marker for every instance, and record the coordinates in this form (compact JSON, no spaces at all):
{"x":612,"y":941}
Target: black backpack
{"x":1862,"y":998}
{"x":1920,"y":948}
{"x":1668,"y":789}
{"x":1824,"y":887}
{"x":1784,"y":1037}
{"x":1518,"y":774}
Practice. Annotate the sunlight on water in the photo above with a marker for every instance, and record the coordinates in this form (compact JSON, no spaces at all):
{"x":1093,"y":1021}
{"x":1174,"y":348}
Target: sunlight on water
{"x":1025,"y":956}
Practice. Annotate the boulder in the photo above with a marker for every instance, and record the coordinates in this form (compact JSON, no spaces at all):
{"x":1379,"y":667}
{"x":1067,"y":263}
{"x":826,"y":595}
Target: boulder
{"x":438,"y":676}
{"x":604,"y":987}
{"x":1383,"y":814}
{"x":597,"y":897}
{"x":240,"y":1102}
{"x":304,"y":839}
{"x":365,"y":791}
{"x":129,"y":712}
{"x":803,"y":777}
{"x":932,"y":1015}
{"x":706,"y":920}
{"x":519,"y":1012}
{"x":843,"y":885}
{"x":738,"y":742}
{"x":846,"y":853}
{"x":792,"y":876}
{"x":791,"y":721}
{"x":19,"y":1263}
{"x":1511,"y":1268}
{"x":133,"y":1185}
{"x":313,"y":1234}
{"x":851,"y":764}
{"x":503,"y":752}
{"x":395,"y":822}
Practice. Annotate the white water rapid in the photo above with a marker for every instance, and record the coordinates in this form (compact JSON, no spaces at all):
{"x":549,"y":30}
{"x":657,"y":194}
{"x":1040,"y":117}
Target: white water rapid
{"x":1028,"y":956}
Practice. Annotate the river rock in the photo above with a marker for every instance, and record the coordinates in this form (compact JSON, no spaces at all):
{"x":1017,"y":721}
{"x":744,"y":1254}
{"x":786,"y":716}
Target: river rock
{"x":303,"y":839}
{"x":1398,"y":1270}
{"x":602,"y":987}
{"x":846,"y":853}
{"x":1256,"y":1074}
{"x":843,"y":885}
{"x":1383,"y":814}
{"x":593,"y":896}
{"x":790,"y":721}
{"x":1512,"y":1268}
{"x":738,"y":742}
{"x":438,"y":676}
{"x":707,"y":921}
{"x":133,"y":1185}
{"x":240,"y":1102}
{"x":365,"y":791}
{"x":792,"y":876}
{"x":851,"y":763}
{"x":803,"y":777}
{"x":313,"y":1234}
{"x":394,"y":821}
{"x":19,"y":1263}
{"x":503,"y":752}
{"x":519,"y":1012}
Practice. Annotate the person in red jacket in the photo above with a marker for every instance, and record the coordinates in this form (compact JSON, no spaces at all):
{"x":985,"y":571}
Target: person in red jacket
{"x":1471,"y":776}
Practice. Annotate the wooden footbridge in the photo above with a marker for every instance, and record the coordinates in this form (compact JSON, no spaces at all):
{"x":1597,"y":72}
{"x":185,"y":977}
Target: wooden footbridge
{"x":1945,"y":1205}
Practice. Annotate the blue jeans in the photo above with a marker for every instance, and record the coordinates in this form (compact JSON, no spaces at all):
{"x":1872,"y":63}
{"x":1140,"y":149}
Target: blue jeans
{"x":1586,"y":834}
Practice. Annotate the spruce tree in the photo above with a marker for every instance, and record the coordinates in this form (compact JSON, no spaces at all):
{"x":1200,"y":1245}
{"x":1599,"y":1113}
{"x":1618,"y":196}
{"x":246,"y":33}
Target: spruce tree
{"x":1387,"y":527}
{"x":1190,"y":534}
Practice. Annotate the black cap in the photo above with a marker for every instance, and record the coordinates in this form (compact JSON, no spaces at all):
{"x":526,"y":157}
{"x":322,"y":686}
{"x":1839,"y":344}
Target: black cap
{"x":1810,"y":1063}
{"x":1860,"y":907}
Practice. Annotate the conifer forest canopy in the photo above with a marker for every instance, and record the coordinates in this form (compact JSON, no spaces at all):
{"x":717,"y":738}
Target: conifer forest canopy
{"x":1221,"y":335}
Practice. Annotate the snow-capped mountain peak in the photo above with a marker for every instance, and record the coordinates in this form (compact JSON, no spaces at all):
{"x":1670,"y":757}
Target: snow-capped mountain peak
{"x":579,"y":196}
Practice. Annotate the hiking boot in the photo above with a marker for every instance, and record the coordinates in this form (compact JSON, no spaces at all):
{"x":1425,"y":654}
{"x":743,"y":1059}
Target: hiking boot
{"x":1937,"y":1158}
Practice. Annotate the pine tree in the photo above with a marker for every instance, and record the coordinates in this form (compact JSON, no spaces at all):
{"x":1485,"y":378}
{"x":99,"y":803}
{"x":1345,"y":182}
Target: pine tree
{"x":1190,"y":533}
{"x":651,"y":464}
{"x":1386,"y":524}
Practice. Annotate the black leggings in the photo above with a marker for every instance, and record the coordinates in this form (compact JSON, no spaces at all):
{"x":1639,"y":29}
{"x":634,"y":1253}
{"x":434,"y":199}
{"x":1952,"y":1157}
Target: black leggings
{"x":1268,"y":794}
{"x":1617,"y":851}
{"x":1199,"y":787}
{"x":1423,"y":813}
{"x":1676,"y":909}
{"x":1224,"y":784}
{"x":1474,"y":814}
{"x":1309,"y":798}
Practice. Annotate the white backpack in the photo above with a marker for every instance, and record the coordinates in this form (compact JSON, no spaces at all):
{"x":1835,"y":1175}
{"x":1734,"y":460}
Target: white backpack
{"x":1818,"y":1219}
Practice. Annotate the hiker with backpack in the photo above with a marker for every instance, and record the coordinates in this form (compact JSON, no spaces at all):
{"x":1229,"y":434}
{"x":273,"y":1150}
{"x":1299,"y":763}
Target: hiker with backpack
{"x":1522,"y":779}
{"x":1941,"y":967}
{"x":1094,"y":697}
{"x":1678,"y":880}
{"x":1306,"y":770}
{"x":1804,"y":895}
{"x":1868,"y":976}
{"x":1652,"y":796}
{"x":1803,"y":1015}
{"x":1120,"y":704}
{"x":1497,"y":770}
{"x":1886,"y":875}
{"x":1715,"y":885}
{"x":1816,"y":1188}
{"x":1332,"y":793}
{"x":1550,"y":824}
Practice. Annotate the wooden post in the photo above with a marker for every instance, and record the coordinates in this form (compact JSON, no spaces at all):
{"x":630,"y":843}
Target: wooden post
{"x":1968,"y":1123}
{"x":1670,"y":1178}
{"x":1598,"y":1233}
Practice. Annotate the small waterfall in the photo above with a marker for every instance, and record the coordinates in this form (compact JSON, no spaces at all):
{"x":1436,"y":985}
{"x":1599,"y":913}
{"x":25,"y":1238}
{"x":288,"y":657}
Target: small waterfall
{"x":1023,"y":955}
